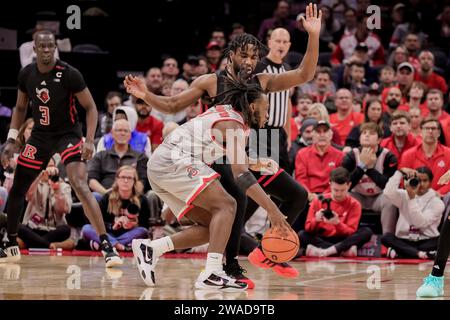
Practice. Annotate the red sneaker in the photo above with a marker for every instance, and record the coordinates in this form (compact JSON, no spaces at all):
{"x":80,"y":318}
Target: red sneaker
{"x":258,"y":259}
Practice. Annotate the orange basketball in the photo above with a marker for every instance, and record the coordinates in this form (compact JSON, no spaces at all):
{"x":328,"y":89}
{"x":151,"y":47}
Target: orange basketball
{"x":278,"y":248}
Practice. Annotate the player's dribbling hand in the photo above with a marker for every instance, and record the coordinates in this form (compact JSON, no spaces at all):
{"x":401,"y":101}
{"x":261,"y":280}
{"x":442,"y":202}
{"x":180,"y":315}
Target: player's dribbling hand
{"x":135,"y":86}
{"x":279,"y":223}
{"x":312,"y":20}
{"x":87,"y":150}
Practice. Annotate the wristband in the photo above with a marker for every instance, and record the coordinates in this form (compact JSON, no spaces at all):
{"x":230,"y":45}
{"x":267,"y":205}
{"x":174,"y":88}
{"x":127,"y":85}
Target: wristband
{"x":12,"y":134}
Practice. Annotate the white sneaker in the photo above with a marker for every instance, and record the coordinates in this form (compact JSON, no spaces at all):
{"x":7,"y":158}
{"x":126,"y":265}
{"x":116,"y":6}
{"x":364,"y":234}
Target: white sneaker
{"x":312,"y":251}
{"x":146,"y":260}
{"x":218,"y":280}
{"x":351,"y":253}
{"x":10,"y":254}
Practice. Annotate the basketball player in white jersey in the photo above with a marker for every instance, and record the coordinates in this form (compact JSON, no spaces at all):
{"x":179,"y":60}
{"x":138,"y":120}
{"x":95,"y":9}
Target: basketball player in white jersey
{"x":179,"y":172}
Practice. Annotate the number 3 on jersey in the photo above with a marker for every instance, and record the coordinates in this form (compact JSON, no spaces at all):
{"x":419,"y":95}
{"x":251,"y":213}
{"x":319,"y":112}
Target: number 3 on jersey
{"x":45,"y":119}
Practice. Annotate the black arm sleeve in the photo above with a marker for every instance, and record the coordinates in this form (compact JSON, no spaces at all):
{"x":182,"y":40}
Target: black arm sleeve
{"x":389,"y":167}
{"x":356,"y":173}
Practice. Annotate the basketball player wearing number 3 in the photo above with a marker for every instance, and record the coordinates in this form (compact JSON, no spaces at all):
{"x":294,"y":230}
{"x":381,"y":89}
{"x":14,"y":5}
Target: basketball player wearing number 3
{"x":52,"y":86}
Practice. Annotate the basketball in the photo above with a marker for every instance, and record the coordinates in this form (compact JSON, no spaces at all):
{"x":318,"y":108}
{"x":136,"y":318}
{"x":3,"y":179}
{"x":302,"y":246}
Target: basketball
{"x":278,"y":248}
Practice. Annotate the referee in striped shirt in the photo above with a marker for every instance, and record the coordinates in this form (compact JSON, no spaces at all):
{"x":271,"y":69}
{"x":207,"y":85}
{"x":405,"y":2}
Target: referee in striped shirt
{"x":280,"y":109}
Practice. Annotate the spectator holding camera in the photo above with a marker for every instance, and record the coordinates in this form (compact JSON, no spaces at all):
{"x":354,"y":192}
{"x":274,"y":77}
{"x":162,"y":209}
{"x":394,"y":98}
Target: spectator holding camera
{"x":430,"y":153}
{"x":44,"y":224}
{"x":420,"y":212}
{"x":332,"y":224}
{"x":125,"y":212}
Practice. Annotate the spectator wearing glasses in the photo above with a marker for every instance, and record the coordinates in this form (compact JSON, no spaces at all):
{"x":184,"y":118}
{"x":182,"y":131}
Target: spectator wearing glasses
{"x":125,"y":212}
{"x":430,"y":153}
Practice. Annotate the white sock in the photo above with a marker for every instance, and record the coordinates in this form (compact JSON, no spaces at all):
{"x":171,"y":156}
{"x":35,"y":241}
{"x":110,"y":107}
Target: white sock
{"x":162,"y":245}
{"x":214,"y":262}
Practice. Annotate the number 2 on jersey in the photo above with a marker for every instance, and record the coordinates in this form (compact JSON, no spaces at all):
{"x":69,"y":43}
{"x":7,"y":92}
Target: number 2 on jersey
{"x":45,"y":120}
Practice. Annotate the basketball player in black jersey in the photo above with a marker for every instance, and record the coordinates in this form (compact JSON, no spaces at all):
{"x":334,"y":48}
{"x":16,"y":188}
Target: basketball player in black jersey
{"x":243,"y":53}
{"x":52,"y":87}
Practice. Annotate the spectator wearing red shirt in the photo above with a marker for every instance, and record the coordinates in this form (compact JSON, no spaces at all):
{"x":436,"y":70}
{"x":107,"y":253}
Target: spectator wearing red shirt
{"x":417,"y":96}
{"x":401,"y":139}
{"x":148,"y":124}
{"x":405,"y":78}
{"x":322,"y":88}
{"x":430,"y":153}
{"x":426,"y":75}
{"x":336,"y":234}
{"x":348,"y":43}
{"x":314,"y":164}
{"x":435,"y":104}
{"x":345,"y":118}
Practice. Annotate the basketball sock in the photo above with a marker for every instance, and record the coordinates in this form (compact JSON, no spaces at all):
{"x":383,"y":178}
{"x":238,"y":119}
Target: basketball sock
{"x":214,"y":262}
{"x":443,"y":251}
{"x":162,"y":245}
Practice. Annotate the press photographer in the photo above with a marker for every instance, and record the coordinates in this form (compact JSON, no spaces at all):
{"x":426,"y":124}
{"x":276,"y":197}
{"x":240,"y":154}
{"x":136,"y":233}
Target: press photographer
{"x":332,"y":224}
{"x":420,"y":213}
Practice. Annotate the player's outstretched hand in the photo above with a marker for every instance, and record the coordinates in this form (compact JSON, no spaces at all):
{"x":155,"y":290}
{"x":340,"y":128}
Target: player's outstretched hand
{"x":135,"y":86}
{"x":312,"y":20}
{"x":87,"y":150}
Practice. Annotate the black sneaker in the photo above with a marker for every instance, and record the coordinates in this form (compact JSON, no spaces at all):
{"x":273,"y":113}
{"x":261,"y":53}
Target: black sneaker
{"x":112,"y":258}
{"x":234,"y":270}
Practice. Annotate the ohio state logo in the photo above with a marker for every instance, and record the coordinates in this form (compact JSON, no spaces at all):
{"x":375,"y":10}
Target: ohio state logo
{"x":43,"y":94}
{"x":192,"y":171}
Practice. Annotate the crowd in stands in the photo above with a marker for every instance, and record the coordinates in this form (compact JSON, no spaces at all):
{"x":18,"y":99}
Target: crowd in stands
{"x":373,"y":119}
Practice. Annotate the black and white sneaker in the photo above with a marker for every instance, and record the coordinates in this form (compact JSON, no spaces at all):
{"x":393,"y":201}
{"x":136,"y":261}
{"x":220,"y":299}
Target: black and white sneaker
{"x":10,"y":254}
{"x":112,"y":258}
{"x":145,"y":259}
{"x":218,"y":280}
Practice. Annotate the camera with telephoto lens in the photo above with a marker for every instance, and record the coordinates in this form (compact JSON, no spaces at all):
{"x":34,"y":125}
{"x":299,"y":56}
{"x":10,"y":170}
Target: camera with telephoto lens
{"x":412,"y":182}
{"x":327,"y":213}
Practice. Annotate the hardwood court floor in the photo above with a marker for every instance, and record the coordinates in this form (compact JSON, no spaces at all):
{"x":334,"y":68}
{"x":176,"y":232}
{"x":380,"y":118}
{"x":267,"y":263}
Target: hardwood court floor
{"x":74,"y":277}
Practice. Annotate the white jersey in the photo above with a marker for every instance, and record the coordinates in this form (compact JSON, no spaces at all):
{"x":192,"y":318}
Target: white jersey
{"x":197,"y":139}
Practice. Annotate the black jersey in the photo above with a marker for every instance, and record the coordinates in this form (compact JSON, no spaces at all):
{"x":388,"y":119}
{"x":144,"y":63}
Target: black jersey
{"x":52,"y":96}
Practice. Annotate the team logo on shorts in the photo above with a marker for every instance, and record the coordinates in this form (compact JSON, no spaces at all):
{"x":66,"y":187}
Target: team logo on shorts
{"x":192,"y":171}
{"x":43,"y":94}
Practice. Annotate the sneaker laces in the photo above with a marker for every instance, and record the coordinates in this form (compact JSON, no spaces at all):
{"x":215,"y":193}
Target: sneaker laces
{"x":234,"y":269}
{"x":432,"y":281}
